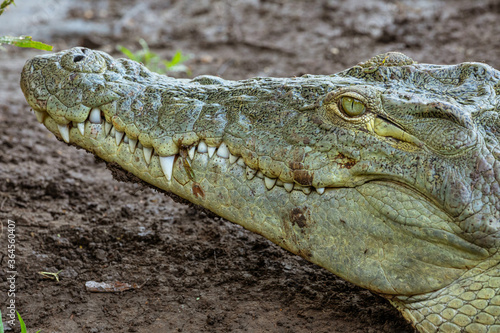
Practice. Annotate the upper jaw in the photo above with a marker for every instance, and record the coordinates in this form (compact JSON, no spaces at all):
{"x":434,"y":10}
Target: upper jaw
{"x":55,"y":84}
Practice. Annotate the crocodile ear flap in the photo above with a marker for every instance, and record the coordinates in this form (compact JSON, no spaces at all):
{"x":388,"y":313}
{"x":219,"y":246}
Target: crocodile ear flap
{"x":446,"y":111}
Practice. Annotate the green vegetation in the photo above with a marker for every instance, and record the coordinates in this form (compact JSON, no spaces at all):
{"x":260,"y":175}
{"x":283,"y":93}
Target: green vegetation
{"x":50,"y":275}
{"x":5,"y":4}
{"x":23,"y":41}
{"x":153,"y":61}
{"x":21,"y":322}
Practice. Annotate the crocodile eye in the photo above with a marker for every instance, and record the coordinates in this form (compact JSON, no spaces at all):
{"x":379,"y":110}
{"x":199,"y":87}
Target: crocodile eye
{"x":352,"y":106}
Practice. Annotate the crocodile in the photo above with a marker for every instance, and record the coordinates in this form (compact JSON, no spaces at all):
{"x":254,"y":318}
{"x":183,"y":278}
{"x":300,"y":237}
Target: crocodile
{"x":385,"y":174}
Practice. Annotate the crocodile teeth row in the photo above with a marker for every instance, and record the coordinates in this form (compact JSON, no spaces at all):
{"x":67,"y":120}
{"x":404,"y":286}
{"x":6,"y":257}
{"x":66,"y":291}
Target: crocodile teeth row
{"x":167,"y":162}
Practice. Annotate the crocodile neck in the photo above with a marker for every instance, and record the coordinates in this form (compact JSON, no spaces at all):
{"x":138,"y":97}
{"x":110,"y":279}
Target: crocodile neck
{"x":469,"y":304}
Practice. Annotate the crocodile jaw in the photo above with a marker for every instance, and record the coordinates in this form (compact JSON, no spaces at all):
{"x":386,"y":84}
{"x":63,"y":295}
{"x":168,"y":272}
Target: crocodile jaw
{"x":316,"y":222}
{"x":392,"y":255}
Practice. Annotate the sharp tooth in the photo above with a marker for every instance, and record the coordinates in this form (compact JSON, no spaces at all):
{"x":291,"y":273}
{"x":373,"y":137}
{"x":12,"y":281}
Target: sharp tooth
{"x":269,"y":182}
{"x":125,"y":139}
{"x":260,"y":174}
{"x":95,"y":116}
{"x":81,"y":128}
{"x":132,"y":143}
{"x":191,"y":152}
{"x":306,"y":189}
{"x":223,"y":151}
{"x":64,"y":130}
{"x":113,"y":131}
{"x":107,"y":128}
{"x":148,"y":152}
{"x":288,"y":187}
{"x":119,"y":136}
{"x":320,"y":190}
{"x":211,"y":151}
{"x":250,"y":173}
{"x":202,"y":147}
{"x":232,"y":158}
{"x":167,"y":165}
{"x":40,"y":115}
{"x":241,"y":162}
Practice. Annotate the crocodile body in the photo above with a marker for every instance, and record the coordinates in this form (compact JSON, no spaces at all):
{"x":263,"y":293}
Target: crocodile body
{"x":385,"y":174}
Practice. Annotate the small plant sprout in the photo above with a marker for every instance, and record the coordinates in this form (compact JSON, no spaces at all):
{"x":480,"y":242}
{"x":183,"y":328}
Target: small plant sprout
{"x":21,"y":323}
{"x":153,"y":61}
{"x":50,"y":275}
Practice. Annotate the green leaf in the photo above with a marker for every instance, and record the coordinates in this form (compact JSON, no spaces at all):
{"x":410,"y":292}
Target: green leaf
{"x":177,"y":58}
{"x":144,"y":44}
{"x":153,"y":61}
{"x":2,"y":8}
{"x":126,"y":52}
{"x":175,"y":64}
{"x":1,"y":323}
{"x":24,"y":41}
{"x":23,"y":326}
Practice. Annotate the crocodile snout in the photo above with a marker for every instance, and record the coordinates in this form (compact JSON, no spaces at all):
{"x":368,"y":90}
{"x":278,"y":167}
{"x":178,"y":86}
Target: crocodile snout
{"x":81,"y":59}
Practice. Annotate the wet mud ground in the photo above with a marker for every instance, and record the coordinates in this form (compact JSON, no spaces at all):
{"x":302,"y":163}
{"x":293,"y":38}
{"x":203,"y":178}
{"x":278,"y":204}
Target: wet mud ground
{"x":189,"y":272}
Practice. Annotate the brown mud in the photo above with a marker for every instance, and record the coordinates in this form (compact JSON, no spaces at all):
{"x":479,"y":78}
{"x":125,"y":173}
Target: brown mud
{"x":188,"y":272}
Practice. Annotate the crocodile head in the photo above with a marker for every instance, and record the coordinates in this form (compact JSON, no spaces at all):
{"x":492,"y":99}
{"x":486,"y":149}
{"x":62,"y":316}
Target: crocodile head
{"x":386,"y":174}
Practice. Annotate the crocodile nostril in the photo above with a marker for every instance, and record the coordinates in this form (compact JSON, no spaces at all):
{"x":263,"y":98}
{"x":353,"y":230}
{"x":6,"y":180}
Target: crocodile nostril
{"x":84,"y":50}
{"x":78,"y":58}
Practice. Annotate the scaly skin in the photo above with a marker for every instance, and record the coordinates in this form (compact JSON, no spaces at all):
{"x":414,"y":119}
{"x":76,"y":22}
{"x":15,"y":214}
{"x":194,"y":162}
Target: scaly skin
{"x":385,"y":174}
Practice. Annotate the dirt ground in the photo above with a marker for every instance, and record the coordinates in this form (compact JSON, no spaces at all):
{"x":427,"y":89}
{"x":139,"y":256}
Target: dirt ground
{"x":189,"y":272}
